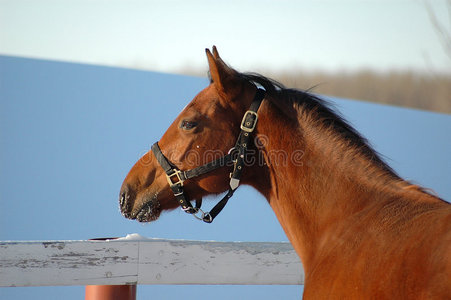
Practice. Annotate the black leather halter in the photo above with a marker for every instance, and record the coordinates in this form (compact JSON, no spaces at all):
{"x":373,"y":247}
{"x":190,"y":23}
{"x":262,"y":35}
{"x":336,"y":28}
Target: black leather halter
{"x":235,"y":157}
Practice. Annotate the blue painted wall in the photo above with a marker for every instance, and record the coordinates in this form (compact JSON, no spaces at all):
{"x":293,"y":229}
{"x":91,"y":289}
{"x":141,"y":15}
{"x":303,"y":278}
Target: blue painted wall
{"x":69,"y":133}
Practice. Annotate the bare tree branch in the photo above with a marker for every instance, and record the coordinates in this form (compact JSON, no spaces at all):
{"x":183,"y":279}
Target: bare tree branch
{"x":443,"y":33}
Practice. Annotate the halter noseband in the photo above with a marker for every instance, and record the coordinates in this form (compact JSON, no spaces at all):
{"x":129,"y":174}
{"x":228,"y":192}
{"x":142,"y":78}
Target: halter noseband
{"x":236,"y":155}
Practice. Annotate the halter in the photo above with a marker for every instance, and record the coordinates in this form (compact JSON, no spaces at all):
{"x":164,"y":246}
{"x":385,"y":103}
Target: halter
{"x":236,"y":155}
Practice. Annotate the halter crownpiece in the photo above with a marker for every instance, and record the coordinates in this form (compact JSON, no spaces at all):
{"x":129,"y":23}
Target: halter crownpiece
{"x":236,"y":155}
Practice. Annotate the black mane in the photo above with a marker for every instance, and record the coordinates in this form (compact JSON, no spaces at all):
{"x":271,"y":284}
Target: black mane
{"x":324,"y":112}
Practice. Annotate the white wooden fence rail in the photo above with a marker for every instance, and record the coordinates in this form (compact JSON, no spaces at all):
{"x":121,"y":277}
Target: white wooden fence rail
{"x":147,"y":261}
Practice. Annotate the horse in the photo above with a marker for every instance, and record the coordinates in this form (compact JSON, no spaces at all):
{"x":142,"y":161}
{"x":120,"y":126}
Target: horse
{"x":360,"y":230}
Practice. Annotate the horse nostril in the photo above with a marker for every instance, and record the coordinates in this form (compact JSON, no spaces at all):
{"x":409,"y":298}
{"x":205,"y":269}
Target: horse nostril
{"x":122,"y":199}
{"x":124,"y":202}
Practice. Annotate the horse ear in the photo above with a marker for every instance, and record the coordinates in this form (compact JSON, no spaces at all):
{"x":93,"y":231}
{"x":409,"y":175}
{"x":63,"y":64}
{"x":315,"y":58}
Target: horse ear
{"x":215,"y":52}
{"x":221,"y":74}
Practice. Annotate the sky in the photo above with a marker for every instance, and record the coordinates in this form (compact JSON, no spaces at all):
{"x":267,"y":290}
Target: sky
{"x":169,"y":36}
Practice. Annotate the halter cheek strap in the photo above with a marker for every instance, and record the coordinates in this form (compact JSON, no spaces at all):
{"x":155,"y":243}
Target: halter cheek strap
{"x":176,"y":177}
{"x":237,"y":156}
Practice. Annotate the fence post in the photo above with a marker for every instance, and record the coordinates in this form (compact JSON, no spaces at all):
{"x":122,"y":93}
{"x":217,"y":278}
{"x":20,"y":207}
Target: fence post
{"x":110,"y":292}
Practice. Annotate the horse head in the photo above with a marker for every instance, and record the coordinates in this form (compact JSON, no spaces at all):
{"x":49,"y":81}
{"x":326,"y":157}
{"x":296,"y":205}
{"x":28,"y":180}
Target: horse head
{"x":205,"y":130}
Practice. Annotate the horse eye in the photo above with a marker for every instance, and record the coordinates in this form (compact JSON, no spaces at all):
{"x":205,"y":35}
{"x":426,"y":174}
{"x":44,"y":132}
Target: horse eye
{"x":187,"y":125}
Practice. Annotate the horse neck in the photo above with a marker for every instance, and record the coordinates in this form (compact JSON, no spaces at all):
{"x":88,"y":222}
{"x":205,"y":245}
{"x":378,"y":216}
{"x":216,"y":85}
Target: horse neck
{"x":316,"y":180}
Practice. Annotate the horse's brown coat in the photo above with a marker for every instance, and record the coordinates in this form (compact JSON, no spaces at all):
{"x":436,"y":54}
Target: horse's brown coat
{"x":360,"y":230}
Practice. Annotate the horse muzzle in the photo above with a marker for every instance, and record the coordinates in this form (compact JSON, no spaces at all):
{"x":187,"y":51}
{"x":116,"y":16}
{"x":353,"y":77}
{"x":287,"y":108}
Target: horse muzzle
{"x":149,"y":209}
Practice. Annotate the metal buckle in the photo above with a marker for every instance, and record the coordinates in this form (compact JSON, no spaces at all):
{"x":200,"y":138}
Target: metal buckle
{"x":170,"y":176}
{"x":249,"y":127}
{"x":190,"y":210}
{"x":207,"y":218}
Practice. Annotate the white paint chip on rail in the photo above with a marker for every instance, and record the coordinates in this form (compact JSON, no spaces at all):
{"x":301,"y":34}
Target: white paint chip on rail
{"x":138,"y":260}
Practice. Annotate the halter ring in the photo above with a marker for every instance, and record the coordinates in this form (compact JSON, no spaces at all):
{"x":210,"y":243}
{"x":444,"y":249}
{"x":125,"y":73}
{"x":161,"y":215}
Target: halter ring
{"x":202,"y":214}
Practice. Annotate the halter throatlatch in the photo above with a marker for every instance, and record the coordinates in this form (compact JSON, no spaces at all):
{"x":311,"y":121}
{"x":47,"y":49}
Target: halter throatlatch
{"x":235,"y":157}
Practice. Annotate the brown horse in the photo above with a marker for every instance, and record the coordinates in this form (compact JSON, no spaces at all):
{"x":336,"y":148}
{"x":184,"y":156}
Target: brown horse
{"x":360,"y":230}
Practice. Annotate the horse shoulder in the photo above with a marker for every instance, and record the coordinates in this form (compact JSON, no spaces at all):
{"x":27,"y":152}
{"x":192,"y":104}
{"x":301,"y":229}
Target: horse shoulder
{"x":438,"y":277}
{"x":407,"y":256}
